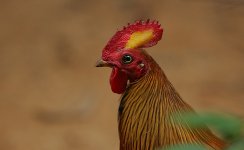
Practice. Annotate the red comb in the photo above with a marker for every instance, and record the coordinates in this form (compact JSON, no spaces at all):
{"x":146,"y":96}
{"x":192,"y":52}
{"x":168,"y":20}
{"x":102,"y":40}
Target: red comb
{"x":121,"y":37}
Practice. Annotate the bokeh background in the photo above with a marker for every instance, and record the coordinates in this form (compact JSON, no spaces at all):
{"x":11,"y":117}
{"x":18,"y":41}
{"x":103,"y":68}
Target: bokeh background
{"x":53,"y":98}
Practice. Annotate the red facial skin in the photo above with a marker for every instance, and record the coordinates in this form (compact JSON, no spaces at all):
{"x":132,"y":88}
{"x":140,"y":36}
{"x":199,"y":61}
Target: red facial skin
{"x":124,"y":72}
{"x":116,"y":49}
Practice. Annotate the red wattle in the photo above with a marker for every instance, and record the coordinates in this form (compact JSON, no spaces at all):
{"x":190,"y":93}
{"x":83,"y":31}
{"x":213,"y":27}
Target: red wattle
{"x":118,"y":81}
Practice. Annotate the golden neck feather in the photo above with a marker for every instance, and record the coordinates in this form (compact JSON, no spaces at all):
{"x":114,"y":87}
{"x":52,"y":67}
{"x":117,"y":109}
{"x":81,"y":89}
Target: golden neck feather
{"x":144,"y":115}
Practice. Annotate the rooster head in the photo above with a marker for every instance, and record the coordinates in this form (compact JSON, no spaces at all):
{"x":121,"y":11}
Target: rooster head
{"x":124,"y":53}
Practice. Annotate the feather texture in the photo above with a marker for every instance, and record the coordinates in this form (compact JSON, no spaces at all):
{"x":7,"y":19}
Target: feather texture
{"x":145,"y":120}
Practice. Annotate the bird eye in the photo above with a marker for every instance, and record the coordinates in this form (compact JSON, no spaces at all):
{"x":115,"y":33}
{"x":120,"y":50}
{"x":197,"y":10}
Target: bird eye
{"x":126,"y":59}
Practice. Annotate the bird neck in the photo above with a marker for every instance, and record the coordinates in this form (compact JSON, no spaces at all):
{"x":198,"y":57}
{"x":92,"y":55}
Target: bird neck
{"x":144,"y":115}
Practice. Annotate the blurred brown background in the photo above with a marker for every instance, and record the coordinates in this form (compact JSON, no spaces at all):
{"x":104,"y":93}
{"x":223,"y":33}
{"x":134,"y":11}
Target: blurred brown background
{"x":53,"y":98}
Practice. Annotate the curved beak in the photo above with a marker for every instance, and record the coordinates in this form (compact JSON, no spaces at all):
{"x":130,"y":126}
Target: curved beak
{"x":102,"y":63}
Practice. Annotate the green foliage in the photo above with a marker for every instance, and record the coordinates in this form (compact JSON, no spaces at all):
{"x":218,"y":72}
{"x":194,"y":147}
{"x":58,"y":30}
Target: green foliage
{"x":186,"y":147}
{"x":237,"y":145}
{"x":229,"y":127}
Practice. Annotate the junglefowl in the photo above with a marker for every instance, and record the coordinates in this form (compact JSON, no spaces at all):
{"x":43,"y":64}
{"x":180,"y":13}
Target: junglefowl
{"x":148,"y":98}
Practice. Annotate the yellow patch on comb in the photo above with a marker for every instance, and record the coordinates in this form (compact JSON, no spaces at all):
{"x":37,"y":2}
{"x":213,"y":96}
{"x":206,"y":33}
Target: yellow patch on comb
{"x":139,"y":38}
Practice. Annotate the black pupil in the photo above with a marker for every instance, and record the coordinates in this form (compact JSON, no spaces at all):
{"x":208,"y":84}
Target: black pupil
{"x":127,"y":59}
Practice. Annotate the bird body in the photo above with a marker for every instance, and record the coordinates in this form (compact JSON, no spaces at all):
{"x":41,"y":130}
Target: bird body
{"x":149,"y":101}
{"x":145,"y":120}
